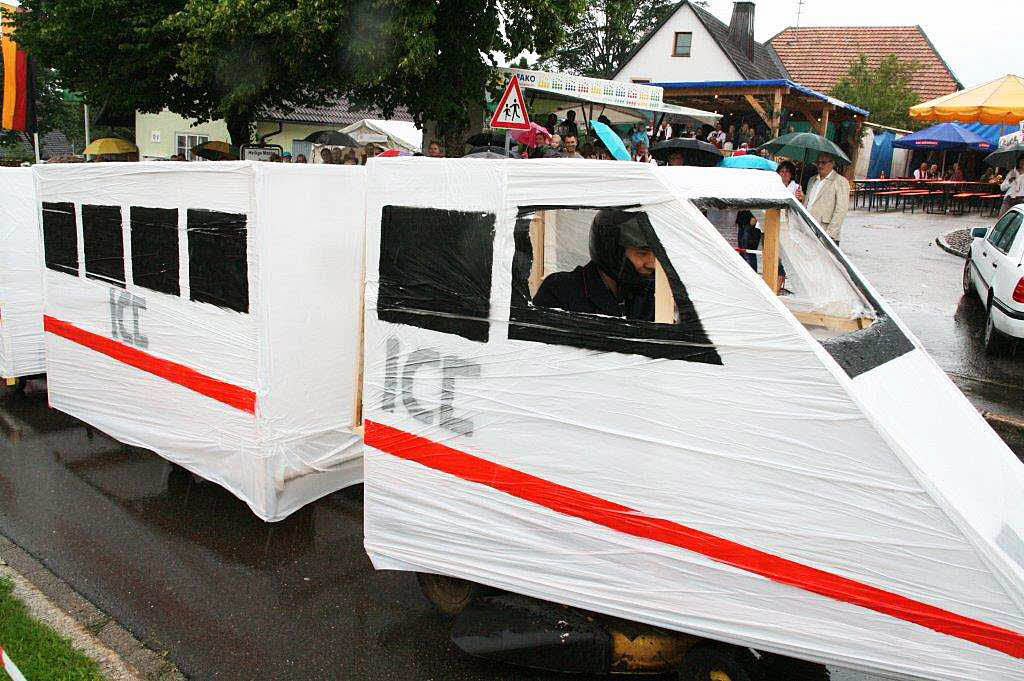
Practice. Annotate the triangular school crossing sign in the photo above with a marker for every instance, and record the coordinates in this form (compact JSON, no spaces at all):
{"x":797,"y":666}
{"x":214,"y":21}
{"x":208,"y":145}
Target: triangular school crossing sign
{"x":511,"y":111}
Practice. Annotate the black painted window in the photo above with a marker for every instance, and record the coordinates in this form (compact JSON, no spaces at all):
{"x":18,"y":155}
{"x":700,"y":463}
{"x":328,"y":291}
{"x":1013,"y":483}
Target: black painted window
{"x":60,"y":238}
{"x":155,"y":249}
{"x":218,"y":271}
{"x":435,"y":270}
{"x":103,"y":237}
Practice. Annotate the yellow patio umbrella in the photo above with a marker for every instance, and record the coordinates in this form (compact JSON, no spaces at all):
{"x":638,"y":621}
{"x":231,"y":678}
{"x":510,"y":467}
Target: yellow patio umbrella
{"x":1001,"y":101}
{"x":110,"y":145}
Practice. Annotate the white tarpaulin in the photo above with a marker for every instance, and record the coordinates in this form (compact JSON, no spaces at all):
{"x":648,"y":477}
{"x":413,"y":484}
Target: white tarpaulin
{"x":210,"y":312}
{"x":390,"y":134}
{"x":21,"y":292}
{"x":718,"y":471}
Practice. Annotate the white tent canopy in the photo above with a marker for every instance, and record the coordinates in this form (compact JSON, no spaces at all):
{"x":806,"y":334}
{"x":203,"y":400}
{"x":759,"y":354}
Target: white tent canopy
{"x":391,"y":134}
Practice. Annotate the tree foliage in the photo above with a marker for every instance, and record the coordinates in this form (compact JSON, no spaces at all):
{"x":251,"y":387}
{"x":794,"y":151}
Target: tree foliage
{"x":56,"y":109}
{"x":883,"y":90}
{"x":435,"y":58}
{"x":237,"y":59}
{"x":602,"y":35}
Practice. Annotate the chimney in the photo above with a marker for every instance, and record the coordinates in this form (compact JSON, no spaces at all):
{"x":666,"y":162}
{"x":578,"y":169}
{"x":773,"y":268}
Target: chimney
{"x":741,"y":27}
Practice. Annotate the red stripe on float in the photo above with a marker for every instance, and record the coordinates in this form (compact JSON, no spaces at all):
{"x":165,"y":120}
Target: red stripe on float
{"x":629,"y":521}
{"x":229,"y":394}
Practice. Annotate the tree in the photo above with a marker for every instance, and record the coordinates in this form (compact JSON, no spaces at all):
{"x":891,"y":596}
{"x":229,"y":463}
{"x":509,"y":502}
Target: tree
{"x":56,"y":109}
{"x":237,"y":59}
{"x":436,"y":58}
{"x":203,"y":59}
{"x":601,"y":37}
{"x":884,"y":90}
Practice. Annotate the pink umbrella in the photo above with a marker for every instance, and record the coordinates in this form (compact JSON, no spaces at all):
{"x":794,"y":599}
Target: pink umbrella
{"x":537,"y":134}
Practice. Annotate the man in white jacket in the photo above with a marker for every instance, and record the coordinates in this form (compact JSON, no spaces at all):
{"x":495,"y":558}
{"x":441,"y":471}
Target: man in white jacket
{"x":828,"y":197}
{"x":1013,"y":185}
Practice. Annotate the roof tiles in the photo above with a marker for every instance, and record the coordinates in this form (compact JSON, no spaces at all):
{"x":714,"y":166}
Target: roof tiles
{"x":338,"y":113}
{"x":819,"y":57}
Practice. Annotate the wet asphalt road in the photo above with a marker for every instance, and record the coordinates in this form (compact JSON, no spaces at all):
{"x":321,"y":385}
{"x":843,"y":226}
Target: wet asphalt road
{"x":897,"y":253}
{"x":188,"y":569}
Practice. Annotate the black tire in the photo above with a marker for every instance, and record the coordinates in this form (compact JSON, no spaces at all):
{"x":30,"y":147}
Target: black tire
{"x":968,"y":284}
{"x":992,"y":339}
{"x":782,"y":668}
{"x":718,"y":662}
{"x":450,"y":595}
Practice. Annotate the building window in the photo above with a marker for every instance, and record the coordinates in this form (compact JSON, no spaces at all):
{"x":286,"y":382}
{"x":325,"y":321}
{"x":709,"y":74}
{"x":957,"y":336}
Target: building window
{"x":681,"y":48}
{"x":641,"y":81}
{"x":184,"y":142}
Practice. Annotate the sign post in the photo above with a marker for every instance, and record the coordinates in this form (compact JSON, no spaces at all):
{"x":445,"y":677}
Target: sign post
{"x":511,"y":112}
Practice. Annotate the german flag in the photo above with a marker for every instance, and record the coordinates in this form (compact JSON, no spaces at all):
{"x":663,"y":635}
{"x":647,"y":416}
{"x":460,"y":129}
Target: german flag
{"x":19,"y":109}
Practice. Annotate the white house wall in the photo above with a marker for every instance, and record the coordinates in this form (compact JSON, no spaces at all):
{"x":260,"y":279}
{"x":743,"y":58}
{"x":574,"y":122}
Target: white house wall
{"x":655,"y":63}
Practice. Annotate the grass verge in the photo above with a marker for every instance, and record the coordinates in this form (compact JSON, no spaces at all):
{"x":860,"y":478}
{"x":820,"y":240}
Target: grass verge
{"x":39,"y":652}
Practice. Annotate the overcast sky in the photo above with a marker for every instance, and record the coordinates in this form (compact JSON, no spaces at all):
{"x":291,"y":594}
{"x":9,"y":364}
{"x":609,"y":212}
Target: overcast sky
{"x":981,"y":40}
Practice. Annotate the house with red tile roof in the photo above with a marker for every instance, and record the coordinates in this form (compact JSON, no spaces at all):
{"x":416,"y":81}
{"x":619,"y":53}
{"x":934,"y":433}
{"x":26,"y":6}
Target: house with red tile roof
{"x":818,"y":57}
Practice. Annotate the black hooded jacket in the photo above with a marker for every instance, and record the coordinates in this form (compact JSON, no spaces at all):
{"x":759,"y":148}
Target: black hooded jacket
{"x":583,"y":290}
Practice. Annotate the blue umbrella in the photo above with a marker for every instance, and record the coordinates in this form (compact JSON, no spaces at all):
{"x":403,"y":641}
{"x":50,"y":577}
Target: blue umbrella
{"x":943,"y":137}
{"x":748,"y":161}
{"x":611,"y":141}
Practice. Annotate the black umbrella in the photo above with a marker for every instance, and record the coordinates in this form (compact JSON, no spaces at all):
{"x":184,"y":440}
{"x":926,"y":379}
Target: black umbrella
{"x":486,"y":139}
{"x":491,"y":152}
{"x":804,"y":147}
{"x":1006,"y":157}
{"x":695,"y":152}
{"x":331,"y":137}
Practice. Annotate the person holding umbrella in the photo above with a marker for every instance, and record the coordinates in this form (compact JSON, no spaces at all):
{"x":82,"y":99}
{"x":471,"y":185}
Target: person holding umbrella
{"x":828,"y":197}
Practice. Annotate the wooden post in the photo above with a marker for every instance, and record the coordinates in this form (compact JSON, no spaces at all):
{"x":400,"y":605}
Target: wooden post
{"x":855,"y":145}
{"x":770,"y":252}
{"x":776,"y":113}
{"x":537,"y":234}
{"x":664,"y":303}
{"x":824,"y":119}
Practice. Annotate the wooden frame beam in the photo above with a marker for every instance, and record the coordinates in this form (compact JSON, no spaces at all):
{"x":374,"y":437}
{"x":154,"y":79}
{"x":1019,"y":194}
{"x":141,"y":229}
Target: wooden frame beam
{"x":770,"y":248}
{"x":776,"y":123}
{"x":756,"y":105}
{"x":664,"y":303}
{"x":842,"y":324}
{"x":810,"y":115}
{"x":537,"y":239}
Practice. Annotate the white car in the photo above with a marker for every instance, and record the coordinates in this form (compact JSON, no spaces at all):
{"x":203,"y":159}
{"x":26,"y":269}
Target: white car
{"x":994,"y":270}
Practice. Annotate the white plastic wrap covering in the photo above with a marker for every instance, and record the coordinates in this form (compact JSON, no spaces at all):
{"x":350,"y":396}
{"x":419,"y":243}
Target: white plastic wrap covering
{"x":210,"y":312}
{"x":818,"y":284}
{"x":21,"y":286}
{"x":727,"y":476}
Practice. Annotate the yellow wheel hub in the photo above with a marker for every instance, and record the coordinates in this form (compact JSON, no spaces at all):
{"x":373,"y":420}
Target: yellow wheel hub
{"x":719,"y":676}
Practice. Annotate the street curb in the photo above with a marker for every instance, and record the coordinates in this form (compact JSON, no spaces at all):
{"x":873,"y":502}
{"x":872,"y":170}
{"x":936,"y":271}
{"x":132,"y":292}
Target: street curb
{"x":92,"y":631}
{"x":944,"y":245}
